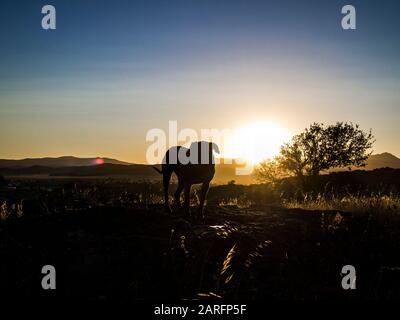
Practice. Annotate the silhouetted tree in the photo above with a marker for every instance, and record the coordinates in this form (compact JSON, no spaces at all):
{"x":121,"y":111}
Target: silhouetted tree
{"x":270,"y":171}
{"x":316,"y":149}
{"x":322,"y":147}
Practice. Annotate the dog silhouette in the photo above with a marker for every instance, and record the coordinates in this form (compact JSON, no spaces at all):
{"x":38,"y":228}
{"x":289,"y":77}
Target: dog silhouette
{"x":193,"y":165}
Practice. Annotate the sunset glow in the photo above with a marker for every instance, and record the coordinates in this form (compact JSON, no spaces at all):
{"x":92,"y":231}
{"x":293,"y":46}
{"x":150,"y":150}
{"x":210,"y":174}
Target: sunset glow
{"x":99,"y":86}
{"x":257,"y":141}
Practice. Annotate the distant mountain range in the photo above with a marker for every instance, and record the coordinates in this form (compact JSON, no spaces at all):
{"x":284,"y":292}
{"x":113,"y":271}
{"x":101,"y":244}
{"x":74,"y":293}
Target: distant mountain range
{"x":92,"y":167}
{"x":224,"y":172}
{"x":382,"y":160}
{"x":66,"y":161}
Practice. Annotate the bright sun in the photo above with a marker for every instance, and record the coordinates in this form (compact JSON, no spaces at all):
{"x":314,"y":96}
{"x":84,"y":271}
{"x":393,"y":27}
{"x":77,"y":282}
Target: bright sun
{"x":258,"y":141}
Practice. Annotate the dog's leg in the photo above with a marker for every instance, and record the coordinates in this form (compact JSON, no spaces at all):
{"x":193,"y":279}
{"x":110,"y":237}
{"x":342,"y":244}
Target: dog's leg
{"x":187,"y":200}
{"x":203,"y":194}
{"x":178,"y":194}
{"x":166,"y":179}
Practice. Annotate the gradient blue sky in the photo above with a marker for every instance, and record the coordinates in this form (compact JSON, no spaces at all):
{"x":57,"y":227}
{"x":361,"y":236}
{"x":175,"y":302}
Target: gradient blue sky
{"x":114,"y":69}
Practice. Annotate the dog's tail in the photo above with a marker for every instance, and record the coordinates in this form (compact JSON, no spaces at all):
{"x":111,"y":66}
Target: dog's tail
{"x":158,"y":170}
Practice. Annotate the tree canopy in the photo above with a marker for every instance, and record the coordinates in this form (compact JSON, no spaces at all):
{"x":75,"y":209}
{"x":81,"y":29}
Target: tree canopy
{"x":319,"y":148}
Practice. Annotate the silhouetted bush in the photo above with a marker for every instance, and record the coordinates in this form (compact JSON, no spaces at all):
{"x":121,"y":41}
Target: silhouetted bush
{"x":3,"y":182}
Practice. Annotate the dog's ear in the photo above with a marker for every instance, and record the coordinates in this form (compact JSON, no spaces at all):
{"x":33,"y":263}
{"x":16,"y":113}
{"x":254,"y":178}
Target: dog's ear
{"x":214,"y":146}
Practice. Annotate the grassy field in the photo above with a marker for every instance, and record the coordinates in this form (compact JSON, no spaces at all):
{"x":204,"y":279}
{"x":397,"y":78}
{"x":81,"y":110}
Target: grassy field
{"x":111,"y":239}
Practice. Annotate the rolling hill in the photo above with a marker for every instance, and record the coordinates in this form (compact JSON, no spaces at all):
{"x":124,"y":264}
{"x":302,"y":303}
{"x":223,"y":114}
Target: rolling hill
{"x":87,"y":167}
{"x":382,"y":160}
{"x":66,"y":161}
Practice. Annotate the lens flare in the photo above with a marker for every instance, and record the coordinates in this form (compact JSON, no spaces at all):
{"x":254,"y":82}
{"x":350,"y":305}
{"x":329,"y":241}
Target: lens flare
{"x":98,"y":161}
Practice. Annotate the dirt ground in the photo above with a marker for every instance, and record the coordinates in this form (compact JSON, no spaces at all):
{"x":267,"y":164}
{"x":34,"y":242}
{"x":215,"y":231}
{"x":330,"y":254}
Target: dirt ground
{"x":235,"y":253}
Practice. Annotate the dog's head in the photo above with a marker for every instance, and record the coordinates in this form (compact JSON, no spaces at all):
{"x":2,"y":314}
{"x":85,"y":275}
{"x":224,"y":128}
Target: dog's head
{"x":214,"y":147}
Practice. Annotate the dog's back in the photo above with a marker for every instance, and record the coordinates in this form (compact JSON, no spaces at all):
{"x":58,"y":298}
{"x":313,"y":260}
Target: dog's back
{"x":172,"y":158}
{"x":193,"y":165}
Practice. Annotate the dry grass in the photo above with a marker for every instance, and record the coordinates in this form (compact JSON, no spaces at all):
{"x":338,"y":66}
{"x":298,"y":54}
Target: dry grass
{"x":350,"y":203}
